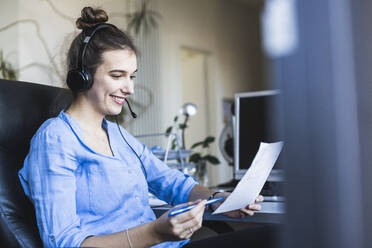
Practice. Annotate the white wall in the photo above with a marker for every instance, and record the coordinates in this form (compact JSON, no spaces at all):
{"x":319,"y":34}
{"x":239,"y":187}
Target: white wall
{"x":46,"y":31}
{"x":9,"y":37}
{"x":228,"y":31}
{"x":56,"y":30}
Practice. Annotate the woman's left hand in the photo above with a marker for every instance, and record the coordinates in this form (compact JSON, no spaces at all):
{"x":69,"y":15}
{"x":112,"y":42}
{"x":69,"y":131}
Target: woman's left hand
{"x":240,"y":213}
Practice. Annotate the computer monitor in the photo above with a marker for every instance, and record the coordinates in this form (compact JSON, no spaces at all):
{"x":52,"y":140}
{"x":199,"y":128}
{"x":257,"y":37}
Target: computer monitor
{"x":257,"y":119}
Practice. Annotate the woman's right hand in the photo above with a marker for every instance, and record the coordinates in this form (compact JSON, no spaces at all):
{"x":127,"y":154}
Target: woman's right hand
{"x":181,"y":226}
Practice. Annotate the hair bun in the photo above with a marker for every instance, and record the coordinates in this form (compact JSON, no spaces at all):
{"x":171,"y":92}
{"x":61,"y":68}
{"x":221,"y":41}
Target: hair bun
{"x":91,"y":17}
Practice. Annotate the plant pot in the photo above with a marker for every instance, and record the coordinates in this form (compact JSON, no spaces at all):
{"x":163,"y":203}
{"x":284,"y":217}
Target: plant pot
{"x":197,"y":171}
{"x":201,"y":173}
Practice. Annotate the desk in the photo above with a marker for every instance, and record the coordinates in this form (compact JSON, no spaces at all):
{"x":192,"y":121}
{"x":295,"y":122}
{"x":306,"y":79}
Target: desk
{"x":271,"y":212}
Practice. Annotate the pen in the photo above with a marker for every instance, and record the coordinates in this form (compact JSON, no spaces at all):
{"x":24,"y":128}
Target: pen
{"x":183,"y":209}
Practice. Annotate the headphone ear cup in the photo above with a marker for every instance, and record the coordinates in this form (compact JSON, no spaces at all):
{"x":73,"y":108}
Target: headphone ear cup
{"x":78,"y":81}
{"x":88,"y":80}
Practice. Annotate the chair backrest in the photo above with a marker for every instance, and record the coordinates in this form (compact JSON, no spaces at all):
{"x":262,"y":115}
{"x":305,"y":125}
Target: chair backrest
{"x":23,"y":108}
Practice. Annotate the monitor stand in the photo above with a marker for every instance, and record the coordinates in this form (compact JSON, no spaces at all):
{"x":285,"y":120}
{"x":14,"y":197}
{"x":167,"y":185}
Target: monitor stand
{"x":232,"y":183}
{"x":227,"y":186}
{"x":272,"y":191}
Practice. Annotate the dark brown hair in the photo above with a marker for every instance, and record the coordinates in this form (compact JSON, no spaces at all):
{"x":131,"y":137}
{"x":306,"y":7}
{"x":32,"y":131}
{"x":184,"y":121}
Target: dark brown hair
{"x":105,"y":39}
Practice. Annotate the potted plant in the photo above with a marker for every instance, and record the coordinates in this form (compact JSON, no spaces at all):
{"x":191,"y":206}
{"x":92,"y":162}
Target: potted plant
{"x":199,"y":152}
{"x":6,"y":69}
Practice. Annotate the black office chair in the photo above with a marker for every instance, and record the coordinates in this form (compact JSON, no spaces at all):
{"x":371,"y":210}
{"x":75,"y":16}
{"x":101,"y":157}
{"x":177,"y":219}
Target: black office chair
{"x":23,"y":108}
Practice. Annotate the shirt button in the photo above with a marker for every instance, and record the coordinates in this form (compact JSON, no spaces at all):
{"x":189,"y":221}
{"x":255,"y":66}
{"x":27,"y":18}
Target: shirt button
{"x":137,"y":198}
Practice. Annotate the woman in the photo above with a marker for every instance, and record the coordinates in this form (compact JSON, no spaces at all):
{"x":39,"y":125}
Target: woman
{"x":87,"y":177}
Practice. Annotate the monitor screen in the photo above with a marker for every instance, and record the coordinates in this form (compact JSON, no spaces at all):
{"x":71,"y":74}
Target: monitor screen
{"x":257,"y":120}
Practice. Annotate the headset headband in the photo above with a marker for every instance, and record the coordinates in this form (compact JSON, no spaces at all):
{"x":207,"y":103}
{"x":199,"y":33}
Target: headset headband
{"x":86,"y":40}
{"x":78,"y":80}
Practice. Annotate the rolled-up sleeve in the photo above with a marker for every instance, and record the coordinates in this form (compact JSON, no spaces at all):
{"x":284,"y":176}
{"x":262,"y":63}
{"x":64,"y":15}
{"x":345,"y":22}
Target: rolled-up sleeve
{"x":48,"y":177}
{"x":167,"y":184}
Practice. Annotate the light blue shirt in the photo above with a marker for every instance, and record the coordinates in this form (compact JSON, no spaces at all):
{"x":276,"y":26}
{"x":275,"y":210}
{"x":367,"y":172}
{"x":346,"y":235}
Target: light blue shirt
{"x":78,"y":192}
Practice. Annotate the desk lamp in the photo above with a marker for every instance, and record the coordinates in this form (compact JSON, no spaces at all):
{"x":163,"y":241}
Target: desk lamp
{"x":188,"y":109}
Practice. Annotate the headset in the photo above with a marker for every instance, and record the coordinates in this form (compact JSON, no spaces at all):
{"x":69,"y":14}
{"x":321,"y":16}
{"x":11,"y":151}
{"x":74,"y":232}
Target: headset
{"x":79,"y":79}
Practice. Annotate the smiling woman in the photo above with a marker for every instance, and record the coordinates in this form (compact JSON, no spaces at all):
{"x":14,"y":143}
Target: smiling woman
{"x":87,"y":177}
{"x":113,"y":83}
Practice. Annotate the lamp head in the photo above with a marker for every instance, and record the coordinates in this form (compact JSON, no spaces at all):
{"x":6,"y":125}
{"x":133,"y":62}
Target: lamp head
{"x":189,"y":109}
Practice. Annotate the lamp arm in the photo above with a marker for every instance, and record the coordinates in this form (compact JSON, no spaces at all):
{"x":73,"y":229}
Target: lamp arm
{"x":183,"y":130}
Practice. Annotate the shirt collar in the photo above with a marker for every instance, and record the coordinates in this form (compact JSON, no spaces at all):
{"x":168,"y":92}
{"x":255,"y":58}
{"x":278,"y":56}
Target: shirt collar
{"x":77,"y":130}
{"x":75,"y":125}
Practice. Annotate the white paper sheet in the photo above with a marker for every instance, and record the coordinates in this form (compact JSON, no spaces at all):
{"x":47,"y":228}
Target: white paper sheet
{"x":254,"y":179}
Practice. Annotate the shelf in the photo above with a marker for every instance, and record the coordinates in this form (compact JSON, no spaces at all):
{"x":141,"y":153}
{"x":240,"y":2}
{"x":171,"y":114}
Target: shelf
{"x":172,"y":154}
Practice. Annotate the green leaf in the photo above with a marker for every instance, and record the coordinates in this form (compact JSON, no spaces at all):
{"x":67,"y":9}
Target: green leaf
{"x":132,"y":22}
{"x":207,"y":141}
{"x":211,"y":159}
{"x":197,"y":144}
{"x":182,"y":126}
{"x":153,"y":21}
{"x":175,"y":118}
{"x":169,"y":130}
{"x":137,"y":25}
{"x":154,"y":14}
{"x":195,"y":157}
{"x":146,"y":24}
{"x":6,"y":69}
{"x":174,"y":144}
